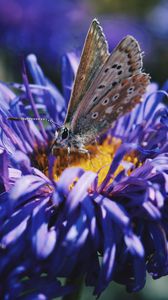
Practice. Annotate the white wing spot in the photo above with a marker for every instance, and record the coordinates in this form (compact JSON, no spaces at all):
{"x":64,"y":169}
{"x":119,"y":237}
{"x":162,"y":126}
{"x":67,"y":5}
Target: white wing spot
{"x":137,"y":57}
{"x":101,"y":86}
{"x":95,"y":115}
{"x":138,"y":64}
{"x":94,"y":99}
{"x":97,"y":36}
{"x":109,"y":110}
{"x":130,"y":90}
{"x":91,"y":30}
{"x":127,"y":99}
{"x":102,"y":52}
{"x":132,"y":45}
{"x":115,"y":97}
{"x":82,"y":77}
{"x":105,"y":101}
{"x":119,"y":109}
{"x":126,"y":42}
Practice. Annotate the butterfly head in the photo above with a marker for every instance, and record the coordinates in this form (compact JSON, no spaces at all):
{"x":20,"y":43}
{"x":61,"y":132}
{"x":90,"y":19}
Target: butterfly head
{"x":62,"y":138}
{"x":67,"y":139}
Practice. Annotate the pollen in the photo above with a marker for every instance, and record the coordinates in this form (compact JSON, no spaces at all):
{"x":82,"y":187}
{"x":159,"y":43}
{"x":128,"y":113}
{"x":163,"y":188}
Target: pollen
{"x":39,"y":159}
{"x":98,"y":159}
{"x":73,"y":183}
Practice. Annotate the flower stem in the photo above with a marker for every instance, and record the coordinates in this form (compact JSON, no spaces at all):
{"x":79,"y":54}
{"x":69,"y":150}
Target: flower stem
{"x":78,"y":284}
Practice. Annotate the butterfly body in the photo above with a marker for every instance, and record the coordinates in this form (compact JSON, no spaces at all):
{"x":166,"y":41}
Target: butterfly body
{"x":106,"y":87}
{"x":66,"y":138}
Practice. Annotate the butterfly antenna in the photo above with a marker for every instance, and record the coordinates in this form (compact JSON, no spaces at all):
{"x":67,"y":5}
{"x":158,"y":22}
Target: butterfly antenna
{"x":33,"y":119}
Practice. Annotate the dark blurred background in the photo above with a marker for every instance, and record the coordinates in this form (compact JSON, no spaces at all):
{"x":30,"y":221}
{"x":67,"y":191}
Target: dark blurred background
{"x":51,"y":28}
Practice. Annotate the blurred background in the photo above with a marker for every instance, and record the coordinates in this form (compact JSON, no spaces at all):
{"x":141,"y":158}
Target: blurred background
{"x":52,"y":28}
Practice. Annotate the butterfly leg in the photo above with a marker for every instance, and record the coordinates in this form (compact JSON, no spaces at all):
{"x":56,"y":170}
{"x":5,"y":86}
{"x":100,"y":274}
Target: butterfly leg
{"x":98,"y":150}
{"x":69,"y":153}
{"x":85,"y":151}
{"x":89,"y":157}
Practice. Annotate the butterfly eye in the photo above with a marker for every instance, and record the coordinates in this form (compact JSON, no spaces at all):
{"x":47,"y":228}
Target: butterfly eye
{"x":95,"y":115}
{"x":65,"y":133}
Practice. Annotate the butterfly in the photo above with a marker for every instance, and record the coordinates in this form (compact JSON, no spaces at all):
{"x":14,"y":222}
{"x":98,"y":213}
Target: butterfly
{"x":106,"y":87}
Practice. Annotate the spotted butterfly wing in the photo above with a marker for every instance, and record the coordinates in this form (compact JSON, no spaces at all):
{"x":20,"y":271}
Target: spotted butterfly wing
{"x":94,"y":55}
{"x":117,"y":102}
{"x":115,"y":90}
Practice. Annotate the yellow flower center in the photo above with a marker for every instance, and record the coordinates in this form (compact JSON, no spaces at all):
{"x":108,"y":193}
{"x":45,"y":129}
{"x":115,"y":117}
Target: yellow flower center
{"x":98,"y":160}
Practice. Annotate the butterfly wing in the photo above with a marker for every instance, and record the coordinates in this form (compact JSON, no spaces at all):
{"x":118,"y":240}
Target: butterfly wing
{"x":117,"y":102}
{"x":115,"y":90}
{"x":124,"y":61}
{"x":94,"y":55}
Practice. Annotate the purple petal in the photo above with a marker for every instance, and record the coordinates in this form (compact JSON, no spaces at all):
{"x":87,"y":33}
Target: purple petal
{"x":21,"y":161}
{"x":67,"y":178}
{"x":69,"y":68}
{"x":43,"y":238}
{"x":16,"y":225}
{"x":11,"y":135}
{"x":89,"y":209}
{"x":123,"y":149}
{"x":4,"y":175}
{"x":159,"y":260}
{"x":152,"y":210}
{"x":55,"y":102}
{"x":134,"y":245}
{"x":29,"y":95}
{"x":14,"y":234}
{"x":109,"y":255}
{"x":115,"y":211}
{"x":138,"y":279}
{"x":6,"y":94}
{"x":25,"y":188}
{"x":80,"y":190}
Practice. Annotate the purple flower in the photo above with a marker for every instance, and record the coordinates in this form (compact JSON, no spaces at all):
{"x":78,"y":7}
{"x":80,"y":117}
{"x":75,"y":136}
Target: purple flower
{"x":99,"y":222}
